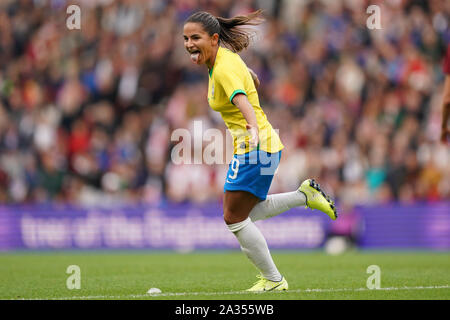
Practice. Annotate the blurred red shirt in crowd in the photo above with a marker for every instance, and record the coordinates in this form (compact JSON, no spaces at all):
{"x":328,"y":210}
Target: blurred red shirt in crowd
{"x":447,"y":61}
{"x":445,"y":132}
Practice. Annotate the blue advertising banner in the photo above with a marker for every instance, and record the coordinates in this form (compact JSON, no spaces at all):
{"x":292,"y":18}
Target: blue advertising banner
{"x":413,"y":226}
{"x":189,"y":227}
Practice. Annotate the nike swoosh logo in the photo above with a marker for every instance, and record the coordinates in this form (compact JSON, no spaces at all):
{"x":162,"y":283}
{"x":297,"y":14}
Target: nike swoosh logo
{"x":273,"y":287}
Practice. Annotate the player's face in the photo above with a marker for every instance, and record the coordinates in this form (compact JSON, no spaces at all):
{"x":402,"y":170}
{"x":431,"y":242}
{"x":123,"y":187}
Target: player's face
{"x":199,"y":43}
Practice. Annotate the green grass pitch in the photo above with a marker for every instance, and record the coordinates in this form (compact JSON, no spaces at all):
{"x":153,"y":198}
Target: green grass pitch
{"x":222,"y":275}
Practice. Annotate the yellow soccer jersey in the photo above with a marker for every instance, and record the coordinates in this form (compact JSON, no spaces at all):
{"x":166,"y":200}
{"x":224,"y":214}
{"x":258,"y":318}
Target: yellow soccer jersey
{"x":228,"y":77}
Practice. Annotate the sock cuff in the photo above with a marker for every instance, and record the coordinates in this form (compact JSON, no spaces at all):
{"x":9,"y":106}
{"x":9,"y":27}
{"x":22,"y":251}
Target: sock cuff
{"x":235,"y":227}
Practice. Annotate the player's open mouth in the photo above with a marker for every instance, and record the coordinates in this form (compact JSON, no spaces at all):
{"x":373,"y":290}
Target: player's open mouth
{"x":195,"y":55}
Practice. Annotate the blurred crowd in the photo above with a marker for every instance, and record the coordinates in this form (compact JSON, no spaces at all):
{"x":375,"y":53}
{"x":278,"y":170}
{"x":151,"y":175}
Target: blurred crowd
{"x":87,"y":116}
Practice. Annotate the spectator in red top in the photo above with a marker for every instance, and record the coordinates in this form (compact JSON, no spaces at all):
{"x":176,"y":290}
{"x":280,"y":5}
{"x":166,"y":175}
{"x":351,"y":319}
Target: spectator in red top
{"x":446,"y":97}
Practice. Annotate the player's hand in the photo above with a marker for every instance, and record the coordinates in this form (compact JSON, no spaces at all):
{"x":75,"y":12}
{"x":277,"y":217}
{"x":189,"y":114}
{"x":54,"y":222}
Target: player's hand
{"x":254,"y":77}
{"x":254,"y":132}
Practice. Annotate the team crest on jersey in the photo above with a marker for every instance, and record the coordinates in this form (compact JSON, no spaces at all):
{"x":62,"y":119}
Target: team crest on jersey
{"x":212,"y":90}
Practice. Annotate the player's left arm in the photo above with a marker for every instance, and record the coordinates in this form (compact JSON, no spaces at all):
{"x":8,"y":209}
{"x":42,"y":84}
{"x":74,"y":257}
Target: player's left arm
{"x":241,"y":102}
{"x":254,"y":77}
{"x":445,"y":131}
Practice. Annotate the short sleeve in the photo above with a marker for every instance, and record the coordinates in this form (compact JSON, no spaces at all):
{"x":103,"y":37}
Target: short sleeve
{"x":231,"y":81}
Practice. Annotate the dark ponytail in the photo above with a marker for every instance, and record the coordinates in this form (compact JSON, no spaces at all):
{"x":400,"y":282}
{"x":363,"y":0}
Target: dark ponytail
{"x":232,"y":37}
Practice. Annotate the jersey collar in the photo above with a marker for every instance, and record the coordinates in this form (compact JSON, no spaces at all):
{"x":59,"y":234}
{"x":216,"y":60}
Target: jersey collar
{"x":218,"y":54}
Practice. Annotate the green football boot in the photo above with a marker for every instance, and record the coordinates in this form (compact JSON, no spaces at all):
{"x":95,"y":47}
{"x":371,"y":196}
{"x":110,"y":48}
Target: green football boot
{"x":317,"y":199}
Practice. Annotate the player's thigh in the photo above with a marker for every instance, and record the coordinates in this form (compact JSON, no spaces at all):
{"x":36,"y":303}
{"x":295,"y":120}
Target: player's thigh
{"x":237,"y":205}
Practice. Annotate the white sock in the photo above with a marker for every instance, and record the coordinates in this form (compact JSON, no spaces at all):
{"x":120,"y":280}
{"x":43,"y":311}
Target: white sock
{"x":254,"y":245}
{"x":276,"y":204}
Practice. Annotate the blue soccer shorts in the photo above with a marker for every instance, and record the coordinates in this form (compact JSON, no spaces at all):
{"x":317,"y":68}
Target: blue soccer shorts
{"x":252,"y":172}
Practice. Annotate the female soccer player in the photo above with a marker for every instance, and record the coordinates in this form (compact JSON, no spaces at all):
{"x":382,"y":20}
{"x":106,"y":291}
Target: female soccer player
{"x":214,"y":42}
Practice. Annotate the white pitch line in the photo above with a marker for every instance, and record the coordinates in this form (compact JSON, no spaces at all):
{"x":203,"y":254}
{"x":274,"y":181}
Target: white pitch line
{"x":175,"y":294}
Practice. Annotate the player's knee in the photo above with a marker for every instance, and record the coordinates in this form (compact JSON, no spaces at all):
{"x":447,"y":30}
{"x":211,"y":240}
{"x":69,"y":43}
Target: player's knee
{"x":229,"y":218}
{"x":232,"y":217}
